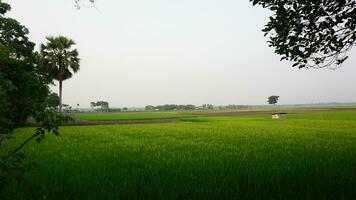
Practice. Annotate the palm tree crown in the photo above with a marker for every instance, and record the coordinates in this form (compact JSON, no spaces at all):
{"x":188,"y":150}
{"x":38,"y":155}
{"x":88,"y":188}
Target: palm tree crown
{"x":60,"y":59}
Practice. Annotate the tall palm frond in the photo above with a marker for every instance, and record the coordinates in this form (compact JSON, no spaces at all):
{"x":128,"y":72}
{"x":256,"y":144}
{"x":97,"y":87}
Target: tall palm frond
{"x":60,"y":59}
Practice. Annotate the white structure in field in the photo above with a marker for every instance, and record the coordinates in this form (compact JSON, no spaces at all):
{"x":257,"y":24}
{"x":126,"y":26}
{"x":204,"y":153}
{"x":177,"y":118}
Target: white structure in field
{"x":279,"y":115}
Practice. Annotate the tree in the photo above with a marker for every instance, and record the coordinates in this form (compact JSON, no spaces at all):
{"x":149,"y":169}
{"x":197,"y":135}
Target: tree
{"x":92,"y":105}
{"x":273,"y":100}
{"x":24,"y":84}
{"x":104,"y":105}
{"x":149,"y":107}
{"x":60,"y":60}
{"x":210,"y":106}
{"x":23,"y":93}
{"x":52,"y":101}
{"x":78,"y":5}
{"x":312,"y":34}
{"x":171,"y":107}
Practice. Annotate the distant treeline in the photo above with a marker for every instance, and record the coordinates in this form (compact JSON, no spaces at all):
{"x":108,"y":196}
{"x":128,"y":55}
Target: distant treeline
{"x":178,"y":107}
{"x":118,"y":109}
{"x":100,"y":105}
{"x":235,"y":107}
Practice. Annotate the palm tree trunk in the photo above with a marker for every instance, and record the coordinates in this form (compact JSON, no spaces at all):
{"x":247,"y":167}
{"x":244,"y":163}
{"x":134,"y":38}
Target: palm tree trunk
{"x":60,"y":97}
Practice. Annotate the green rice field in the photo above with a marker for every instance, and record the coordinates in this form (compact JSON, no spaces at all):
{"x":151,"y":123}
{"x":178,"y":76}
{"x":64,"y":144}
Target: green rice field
{"x":306,"y":156}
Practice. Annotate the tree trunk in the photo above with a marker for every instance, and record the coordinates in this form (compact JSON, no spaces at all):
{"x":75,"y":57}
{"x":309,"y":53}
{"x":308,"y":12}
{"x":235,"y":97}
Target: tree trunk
{"x":60,"y":97}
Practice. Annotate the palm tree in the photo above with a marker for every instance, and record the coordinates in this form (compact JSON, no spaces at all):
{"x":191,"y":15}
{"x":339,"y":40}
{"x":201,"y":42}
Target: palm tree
{"x":60,"y":60}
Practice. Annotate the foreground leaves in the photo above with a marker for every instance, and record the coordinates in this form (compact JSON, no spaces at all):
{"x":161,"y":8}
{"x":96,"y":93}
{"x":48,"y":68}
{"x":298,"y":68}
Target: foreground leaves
{"x":312,"y":34}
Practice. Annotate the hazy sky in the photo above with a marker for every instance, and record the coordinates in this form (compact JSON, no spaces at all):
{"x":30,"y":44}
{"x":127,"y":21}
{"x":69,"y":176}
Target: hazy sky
{"x":141,"y":52}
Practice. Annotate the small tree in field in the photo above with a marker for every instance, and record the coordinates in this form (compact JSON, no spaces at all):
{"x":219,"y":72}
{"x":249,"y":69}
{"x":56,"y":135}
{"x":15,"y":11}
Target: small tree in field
{"x":273,"y":100}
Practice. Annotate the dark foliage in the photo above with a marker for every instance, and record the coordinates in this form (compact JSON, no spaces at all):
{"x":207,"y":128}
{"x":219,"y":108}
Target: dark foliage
{"x":273,"y":99}
{"x":24,"y":84}
{"x":312,"y":34}
{"x":103,"y":105}
{"x":23,"y":93}
{"x":78,"y":4}
{"x":52,"y":101}
{"x":170,"y":107}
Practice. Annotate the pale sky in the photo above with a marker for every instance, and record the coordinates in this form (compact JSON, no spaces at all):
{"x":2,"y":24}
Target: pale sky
{"x":140,"y":52}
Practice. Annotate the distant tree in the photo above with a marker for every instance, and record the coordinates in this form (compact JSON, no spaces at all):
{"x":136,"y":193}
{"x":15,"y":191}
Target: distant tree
{"x":52,"y":101}
{"x":125,"y":109}
{"x":237,"y":107}
{"x":92,"y":105}
{"x":312,"y":34}
{"x":60,"y":60}
{"x":167,"y":107}
{"x":104,"y":105}
{"x":66,"y":108}
{"x":149,"y":107}
{"x":78,"y":4}
{"x":273,"y":100}
{"x":210,"y":106}
{"x":189,"y":107}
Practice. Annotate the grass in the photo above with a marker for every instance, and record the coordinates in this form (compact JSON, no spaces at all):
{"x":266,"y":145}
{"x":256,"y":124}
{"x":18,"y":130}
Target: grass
{"x":128,"y":116}
{"x":307,"y":156}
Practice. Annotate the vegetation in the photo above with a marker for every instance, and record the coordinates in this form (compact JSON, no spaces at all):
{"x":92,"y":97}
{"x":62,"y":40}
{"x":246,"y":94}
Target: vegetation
{"x":312,"y":34}
{"x":78,"y":4}
{"x":273,"y":99}
{"x":60,"y":60}
{"x":23,"y":84}
{"x":168,"y":107}
{"x":103,"y":105}
{"x":24,"y":93}
{"x":208,"y":106}
{"x":235,"y":107}
{"x":52,"y":101}
{"x":308,"y":156}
